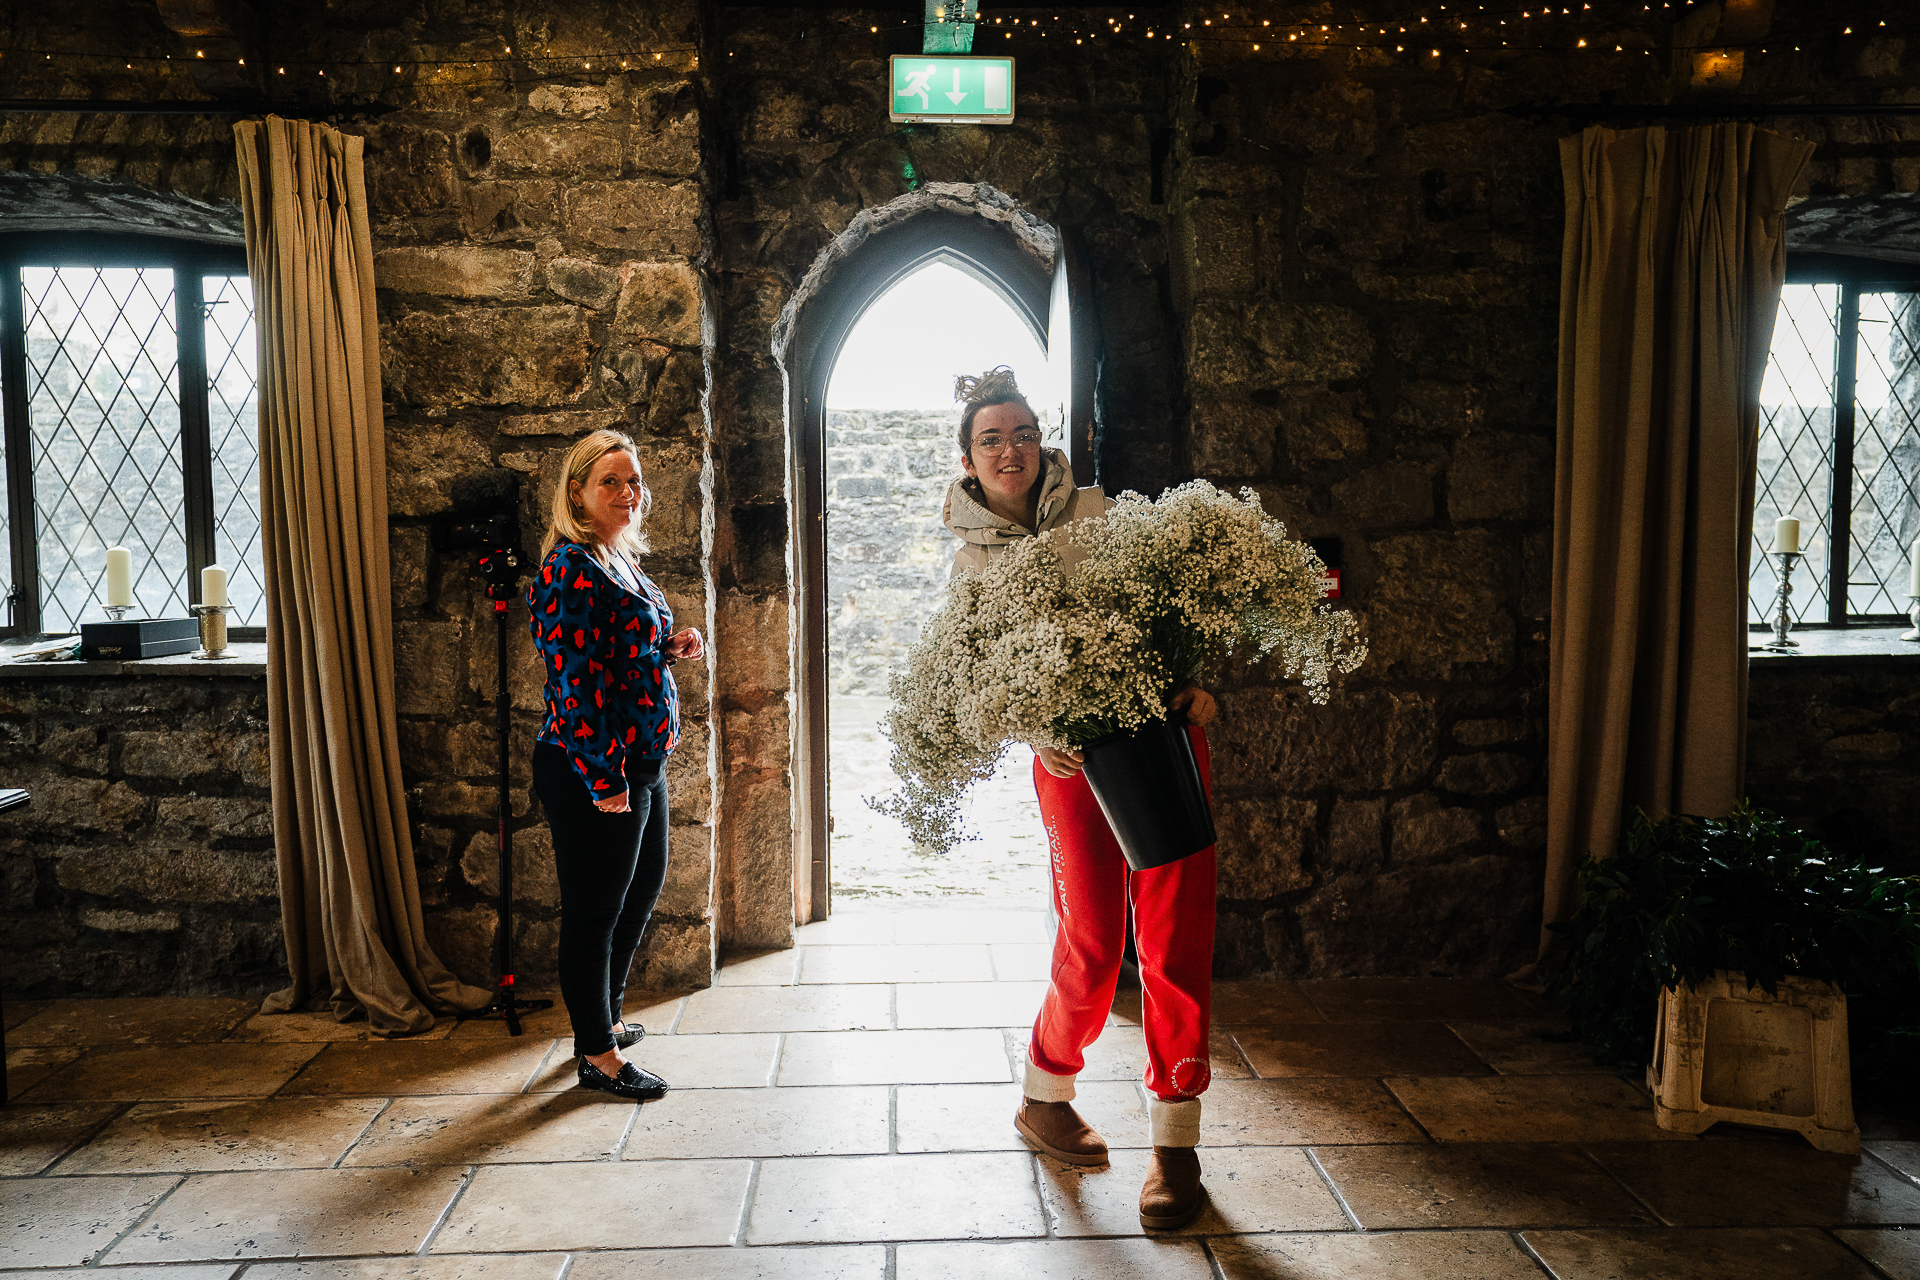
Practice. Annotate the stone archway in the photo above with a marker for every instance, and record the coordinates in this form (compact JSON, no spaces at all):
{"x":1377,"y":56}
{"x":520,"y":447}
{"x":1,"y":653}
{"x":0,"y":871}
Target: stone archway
{"x":983,"y":232}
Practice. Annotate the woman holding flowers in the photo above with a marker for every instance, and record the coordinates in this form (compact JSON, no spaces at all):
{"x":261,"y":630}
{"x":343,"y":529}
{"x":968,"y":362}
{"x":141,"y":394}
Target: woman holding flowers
{"x":606,"y":639}
{"x":1013,"y":490}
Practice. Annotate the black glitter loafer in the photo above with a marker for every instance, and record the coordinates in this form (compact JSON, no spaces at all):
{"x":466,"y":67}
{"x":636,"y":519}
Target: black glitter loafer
{"x":629,"y":1035}
{"x":632,"y":1082}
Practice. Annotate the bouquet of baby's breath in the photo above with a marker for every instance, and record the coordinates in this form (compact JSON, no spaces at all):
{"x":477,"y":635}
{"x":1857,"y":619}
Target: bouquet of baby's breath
{"x":1030,"y":651}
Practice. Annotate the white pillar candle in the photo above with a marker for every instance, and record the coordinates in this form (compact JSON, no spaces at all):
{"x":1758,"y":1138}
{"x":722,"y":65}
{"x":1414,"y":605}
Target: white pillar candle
{"x":1786,"y":535}
{"x":119,"y":576}
{"x":1913,"y":570}
{"x":213,"y":585}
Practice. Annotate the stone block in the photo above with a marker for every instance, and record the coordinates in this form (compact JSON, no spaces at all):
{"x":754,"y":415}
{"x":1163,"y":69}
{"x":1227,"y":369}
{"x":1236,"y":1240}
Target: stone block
{"x":79,"y":750}
{"x":628,"y":374}
{"x":1501,"y":476}
{"x":1488,"y":773}
{"x":568,"y":423}
{"x":590,"y":284}
{"x":1474,"y":916}
{"x":1365,"y":740}
{"x":533,"y":356}
{"x":689,"y":887}
{"x":180,"y":753}
{"x":212,"y":817}
{"x":409,"y":171}
{"x":583,"y":102}
{"x":1435,"y":611}
{"x":1524,"y":823}
{"x":655,"y":219}
{"x":1878,"y":746}
{"x":667,"y":139}
{"x":466,"y":803}
{"x":187,"y":871}
{"x":1391,"y":495}
{"x":751,"y":635}
{"x":675,"y":403}
{"x":676,"y":954}
{"x":1425,"y":831}
{"x":463,"y":939}
{"x":426,"y":666}
{"x":1356,"y":837}
{"x":690,"y":774}
{"x":1220,"y":236}
{"x":406,"y":563}
{"x":534,"y":880}
{"x":1264,"y":843}
{"x":755,"y":857}
{"x":1489,"y":733}
{"x":1321,"y":428}
{"x":567,"y":152}
{"x":130,"y":921}
{"x":659,"y":301}
{"x":1438,"y":408}
{"x":460,"y":271}
{"x":424,"y":460}
{"x":511,"y":210}
{"x":1231,"y":437}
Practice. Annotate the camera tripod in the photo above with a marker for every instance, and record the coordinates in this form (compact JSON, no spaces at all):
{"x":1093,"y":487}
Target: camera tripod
{"x":492,"y":535}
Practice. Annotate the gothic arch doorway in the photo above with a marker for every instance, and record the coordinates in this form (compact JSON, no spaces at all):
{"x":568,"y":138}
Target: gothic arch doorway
{"x":1041,"y":275}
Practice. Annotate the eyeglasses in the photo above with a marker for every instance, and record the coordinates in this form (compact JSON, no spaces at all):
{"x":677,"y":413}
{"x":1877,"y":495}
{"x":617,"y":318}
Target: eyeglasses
{"x":994,"y":442}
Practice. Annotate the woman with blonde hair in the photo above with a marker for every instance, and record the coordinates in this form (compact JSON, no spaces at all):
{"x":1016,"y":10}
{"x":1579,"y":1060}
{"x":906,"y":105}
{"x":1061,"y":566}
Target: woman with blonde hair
{"x":606,"y":640}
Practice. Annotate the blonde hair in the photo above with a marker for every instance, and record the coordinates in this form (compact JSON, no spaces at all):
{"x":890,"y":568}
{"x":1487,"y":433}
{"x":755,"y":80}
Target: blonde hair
{"x":568,"y":522}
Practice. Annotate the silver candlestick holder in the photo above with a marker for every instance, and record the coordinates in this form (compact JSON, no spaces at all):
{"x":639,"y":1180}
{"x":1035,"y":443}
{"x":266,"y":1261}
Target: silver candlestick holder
{"x":117,"y":611}
{"x":1783,"y":622}
{"x":1913,"y":616}
{"x":213,"y":630}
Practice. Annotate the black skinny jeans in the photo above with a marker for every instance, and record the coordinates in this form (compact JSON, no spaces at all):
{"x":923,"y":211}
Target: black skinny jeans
{"x":610,"y":867}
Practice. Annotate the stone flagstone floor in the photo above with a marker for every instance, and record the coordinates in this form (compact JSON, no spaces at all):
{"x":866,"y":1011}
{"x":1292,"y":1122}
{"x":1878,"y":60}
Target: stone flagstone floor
{"x":842,"y":1110}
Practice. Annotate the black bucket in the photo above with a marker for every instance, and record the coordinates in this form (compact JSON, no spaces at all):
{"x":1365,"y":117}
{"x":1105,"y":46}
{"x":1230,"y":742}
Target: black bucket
{"x":1147,"y":781}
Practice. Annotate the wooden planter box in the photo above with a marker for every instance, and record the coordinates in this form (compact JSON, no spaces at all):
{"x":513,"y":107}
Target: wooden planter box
{"x":1722,"y":1052}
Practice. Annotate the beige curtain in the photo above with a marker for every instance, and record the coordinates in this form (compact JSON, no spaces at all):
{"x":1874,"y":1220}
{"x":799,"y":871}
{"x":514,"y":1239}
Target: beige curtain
{"x":350,"y":901}
{"x":1671,"y":274}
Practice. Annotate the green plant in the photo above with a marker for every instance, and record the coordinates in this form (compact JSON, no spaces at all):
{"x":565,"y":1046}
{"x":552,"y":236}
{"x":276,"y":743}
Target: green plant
{"x":1685,"y":896}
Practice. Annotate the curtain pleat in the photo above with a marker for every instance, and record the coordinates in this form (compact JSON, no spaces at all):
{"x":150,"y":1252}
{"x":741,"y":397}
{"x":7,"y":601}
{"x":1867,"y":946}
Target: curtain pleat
{"x":350,"y":901}
{"x":1670,"y":277}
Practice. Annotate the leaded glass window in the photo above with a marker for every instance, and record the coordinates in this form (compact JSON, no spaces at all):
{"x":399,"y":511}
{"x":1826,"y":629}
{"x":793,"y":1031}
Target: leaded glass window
{"x":128,"y":379}
{"x":1839,"y":447}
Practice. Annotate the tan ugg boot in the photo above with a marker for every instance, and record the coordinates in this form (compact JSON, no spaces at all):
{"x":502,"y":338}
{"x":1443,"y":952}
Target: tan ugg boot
{"x":1172,"y":1196}
{"x":1056,"y":1129}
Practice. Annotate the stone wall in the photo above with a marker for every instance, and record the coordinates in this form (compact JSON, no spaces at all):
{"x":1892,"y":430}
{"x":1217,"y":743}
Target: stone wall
{"x":1836,"y":747}
{"x":1327,"y":273}
{"x":144,"y":864}
{"x":888,"y":554}
{"x":1365,"y":259}
{"x":539,"y":241}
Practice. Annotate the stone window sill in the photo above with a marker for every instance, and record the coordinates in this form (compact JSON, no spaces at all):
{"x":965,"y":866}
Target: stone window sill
{"x":1840,"y":647}
{"x":248,"y":658}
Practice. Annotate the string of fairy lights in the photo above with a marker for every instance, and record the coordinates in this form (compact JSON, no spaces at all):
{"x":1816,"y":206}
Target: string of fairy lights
{"x":1446,"y":29}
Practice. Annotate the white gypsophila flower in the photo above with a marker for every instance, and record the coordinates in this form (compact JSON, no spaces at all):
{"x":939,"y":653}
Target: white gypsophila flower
{"x":1026,"y":652}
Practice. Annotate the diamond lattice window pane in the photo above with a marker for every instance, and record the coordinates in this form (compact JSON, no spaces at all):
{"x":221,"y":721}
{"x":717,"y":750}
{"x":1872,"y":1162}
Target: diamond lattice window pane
{"x":1886,"y":454}
{"x":233,"y":427}
{"x":1796,"y":451}
{"x":104,"y":411}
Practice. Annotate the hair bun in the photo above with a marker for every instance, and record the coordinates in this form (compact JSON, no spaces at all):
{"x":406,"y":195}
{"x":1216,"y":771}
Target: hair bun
{"x":997,"y":384}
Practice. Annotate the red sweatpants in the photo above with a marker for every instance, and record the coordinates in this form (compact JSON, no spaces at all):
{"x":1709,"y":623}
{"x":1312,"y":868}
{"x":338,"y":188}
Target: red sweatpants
{"x":1173,"y":937}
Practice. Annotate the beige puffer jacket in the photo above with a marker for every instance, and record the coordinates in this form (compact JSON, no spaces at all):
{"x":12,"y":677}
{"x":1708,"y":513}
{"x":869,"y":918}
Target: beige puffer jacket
{"x":983,"y":535}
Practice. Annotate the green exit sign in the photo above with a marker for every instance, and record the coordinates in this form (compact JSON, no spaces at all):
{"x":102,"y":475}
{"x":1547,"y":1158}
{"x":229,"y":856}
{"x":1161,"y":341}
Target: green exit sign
{"x":939,"y":89}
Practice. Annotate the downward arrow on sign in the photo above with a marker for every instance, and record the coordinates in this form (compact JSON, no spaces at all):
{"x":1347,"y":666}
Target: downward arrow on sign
{"x":956,"y":94}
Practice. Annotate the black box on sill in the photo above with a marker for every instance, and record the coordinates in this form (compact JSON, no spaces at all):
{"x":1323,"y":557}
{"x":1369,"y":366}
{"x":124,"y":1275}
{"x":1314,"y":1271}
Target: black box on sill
{"x":138,"y":638}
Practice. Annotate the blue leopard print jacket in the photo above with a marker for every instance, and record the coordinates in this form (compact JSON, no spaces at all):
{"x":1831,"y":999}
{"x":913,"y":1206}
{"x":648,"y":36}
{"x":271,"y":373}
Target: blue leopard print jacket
{"x":609,"y":693}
